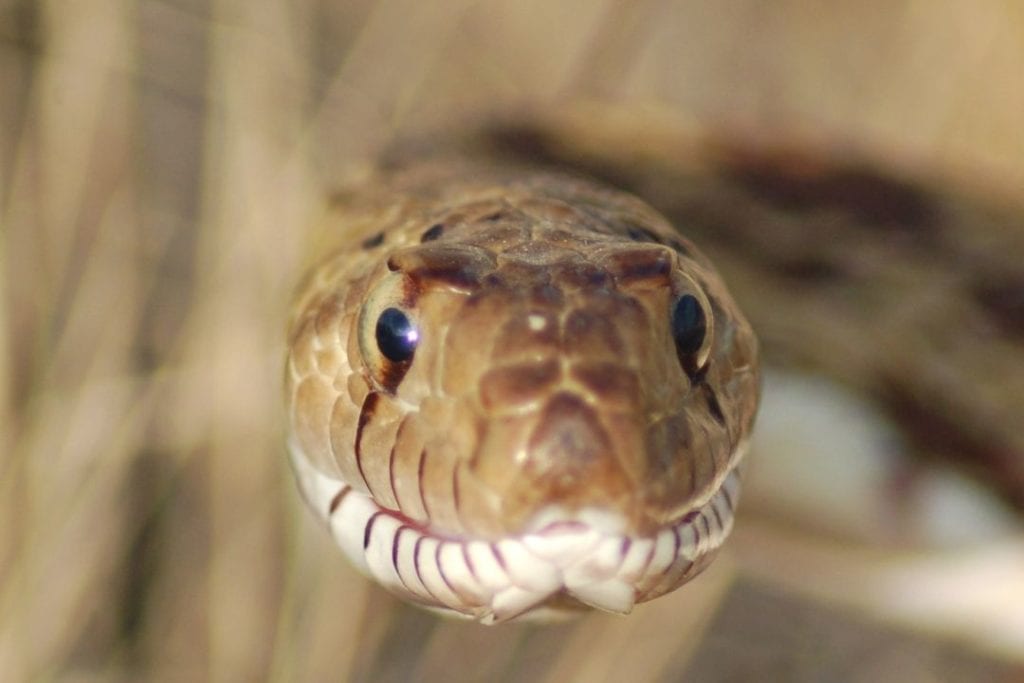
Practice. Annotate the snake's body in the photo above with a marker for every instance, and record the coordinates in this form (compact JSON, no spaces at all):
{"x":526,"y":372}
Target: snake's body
{"x":550,"y":440}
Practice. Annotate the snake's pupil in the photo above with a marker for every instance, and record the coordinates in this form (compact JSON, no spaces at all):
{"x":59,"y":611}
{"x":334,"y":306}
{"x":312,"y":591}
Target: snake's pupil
{"x":688,"y":325}
{"x":396,"y":335}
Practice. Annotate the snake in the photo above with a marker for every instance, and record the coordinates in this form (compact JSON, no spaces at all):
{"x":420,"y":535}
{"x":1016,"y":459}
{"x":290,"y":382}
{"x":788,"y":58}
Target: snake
{"x":518,"y":391}
{"x":516,"y":387}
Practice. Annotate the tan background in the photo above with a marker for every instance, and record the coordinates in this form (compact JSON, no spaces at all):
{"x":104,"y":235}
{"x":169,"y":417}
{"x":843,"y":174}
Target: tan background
{"x":158,"y":164}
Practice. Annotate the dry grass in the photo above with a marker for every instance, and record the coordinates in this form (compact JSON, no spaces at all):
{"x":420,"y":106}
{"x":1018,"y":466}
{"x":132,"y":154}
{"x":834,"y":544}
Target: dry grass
{"x":158,"y":164}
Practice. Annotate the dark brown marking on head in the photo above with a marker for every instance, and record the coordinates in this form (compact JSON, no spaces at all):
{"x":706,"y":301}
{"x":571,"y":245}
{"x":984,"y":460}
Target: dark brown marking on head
{"x":391,"y":374}
{"x":456,"y":494}
{"x":608,"y":381}
{"x":338,"y":498}
{"x":366,"y":412}
{"x":391,"y":470}
{"x":443,"y":264}
{"x":518,"y":384}
{"x":640,"y":264}
{"x":454,"y":275}
{"x":374,"y":241}
{"x":714,"y":407}
{"x":391,"y":460}
{"x":1003,"y":302}
{"x":432,"y":233}
{"x":419,"y":481}
{"x":495,"y":216}
{"x":577,"y":275}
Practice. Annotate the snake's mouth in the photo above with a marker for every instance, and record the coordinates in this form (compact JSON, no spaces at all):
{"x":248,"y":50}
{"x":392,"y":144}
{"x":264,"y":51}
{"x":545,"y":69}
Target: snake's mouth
{"x":563,"y":561}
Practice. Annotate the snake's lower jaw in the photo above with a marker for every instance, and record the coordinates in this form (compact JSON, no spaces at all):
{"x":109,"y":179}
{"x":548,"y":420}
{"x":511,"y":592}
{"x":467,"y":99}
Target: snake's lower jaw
{"x":562,"y":562}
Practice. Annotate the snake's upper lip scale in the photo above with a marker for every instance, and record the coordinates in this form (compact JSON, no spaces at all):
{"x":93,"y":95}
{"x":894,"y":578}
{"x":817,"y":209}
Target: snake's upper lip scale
{"x":584,"y":555}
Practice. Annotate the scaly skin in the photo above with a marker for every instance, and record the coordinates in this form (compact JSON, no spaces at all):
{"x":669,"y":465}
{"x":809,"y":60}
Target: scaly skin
{"x":546,"y":388}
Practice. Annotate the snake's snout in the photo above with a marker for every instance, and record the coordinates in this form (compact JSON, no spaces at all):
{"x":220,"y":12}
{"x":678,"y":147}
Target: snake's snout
{"x":573,"y":456}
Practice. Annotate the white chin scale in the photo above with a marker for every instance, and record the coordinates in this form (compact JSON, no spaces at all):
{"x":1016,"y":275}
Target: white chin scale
{"x":583,"y":555}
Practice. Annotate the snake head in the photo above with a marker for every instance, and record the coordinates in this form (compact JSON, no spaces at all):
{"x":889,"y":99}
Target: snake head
{"x":525,"y":372}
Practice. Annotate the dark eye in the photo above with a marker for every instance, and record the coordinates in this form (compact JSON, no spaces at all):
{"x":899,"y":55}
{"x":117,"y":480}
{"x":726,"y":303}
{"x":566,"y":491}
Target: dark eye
{"x":396,"y":335}
{"x":689,"y":326}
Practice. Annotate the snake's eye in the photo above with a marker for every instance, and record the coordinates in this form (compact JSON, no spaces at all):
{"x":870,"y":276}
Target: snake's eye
{"x":688,"y":324}
{"x":689,"y":330}
{"x":396,"y":335}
